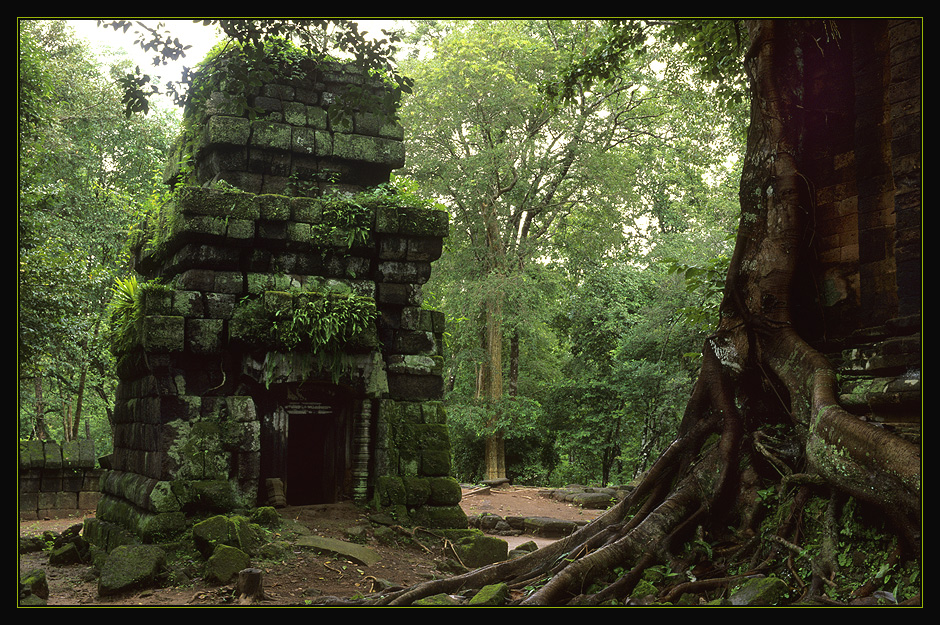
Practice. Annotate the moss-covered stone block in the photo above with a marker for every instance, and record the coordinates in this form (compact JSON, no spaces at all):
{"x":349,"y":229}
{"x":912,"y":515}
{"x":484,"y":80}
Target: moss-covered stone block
{"x":185,"y":303}
{"x":233,"y":531}
{"x":375,"y":150}
{"x":410,"y":412}
{"x":52,"y":455}
{"x":223,"y":565}
{"x":274,"y":207}
{"x":241,"y":408}
{"x":386,"y":220}
{"x":417,"y":490}
{"x":161,"y":498}
{"x":35,"y":581}
{"x":438,"y":600}
{"x":432,"y":436}
{"x":444,"y":491}
{"x":295,"y":113}
{"x":266,"y":516}
{"x":415,"y":364}
{"x":299,"y":232}
{"x":204,"y":336}
{"x":763,"y":591}
{"x":270,"y":135}
{"x":227,"y":131}
{"x":200,"y":496}
{"x":435,"y":462}
{"x":131,"y":567}
{"x":229,"y":282}
{"x":240,"y":230}
{"x":406,"y":437}
{"x":219,"y":203}
{"x":306,"y":210}
{"x":198,"y":453}
{"x":428,"y":222}
{"x":311,"y":142}
{"x":156,"y":301}
{"x":491,"y":595}
{"x":164,"y":333}
{"x":242,"y":436}
{"x":390,"y":491}
{"x":194,"y":226}
{"x":409,"y":462}
{"x":161,"y":526}
{"x":32,"y":455}
{"x":433,"y":412}
{"x":71,"y":455}
{"x":440,"y":517}
{"x":481,"y":550}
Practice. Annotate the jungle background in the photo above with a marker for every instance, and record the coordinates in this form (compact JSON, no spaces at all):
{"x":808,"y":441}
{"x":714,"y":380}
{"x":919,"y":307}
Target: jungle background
{"x":606,"y":273}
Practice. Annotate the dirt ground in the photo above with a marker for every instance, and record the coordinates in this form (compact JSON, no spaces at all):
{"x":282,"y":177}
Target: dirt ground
{"x":303,"y":575}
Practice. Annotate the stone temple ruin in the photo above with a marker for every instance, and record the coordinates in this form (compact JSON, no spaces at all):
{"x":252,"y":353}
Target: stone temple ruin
{"x":280,"y":351}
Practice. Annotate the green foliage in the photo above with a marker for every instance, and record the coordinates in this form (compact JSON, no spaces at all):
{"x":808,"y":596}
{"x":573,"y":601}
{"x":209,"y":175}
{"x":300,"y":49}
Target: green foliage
{"x":705,"y":280}
{"x":126,"y":312}
{"x":635,"y":163}
{"x":713,"y":48}
{"x":624,"y":386}
{"x":84,"y":173}
{"x":238,"y":69}
{"x":854,"y":545}
{"x":321,"y":324}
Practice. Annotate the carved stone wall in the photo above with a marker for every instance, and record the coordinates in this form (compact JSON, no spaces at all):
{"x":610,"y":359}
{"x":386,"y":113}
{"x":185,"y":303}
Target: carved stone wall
{"x":224,"y":390}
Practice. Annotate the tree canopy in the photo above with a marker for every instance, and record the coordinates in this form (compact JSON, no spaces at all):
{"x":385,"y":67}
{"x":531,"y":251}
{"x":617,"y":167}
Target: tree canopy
{"x":86,"y":176}
{"x":541,"y":189}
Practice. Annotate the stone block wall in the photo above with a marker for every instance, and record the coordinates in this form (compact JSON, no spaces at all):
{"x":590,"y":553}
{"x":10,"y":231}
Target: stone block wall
{"x":288,"y":144}
{"x":867,"y":194}
{"x":57,"y":480}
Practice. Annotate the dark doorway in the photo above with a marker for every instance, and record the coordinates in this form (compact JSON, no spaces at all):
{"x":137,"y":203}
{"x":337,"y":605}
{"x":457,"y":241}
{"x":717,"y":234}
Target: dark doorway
{"x":307,"y":444}
{"x":317,"y":459}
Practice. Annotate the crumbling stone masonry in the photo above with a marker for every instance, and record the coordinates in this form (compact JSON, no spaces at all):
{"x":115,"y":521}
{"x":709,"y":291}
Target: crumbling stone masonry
{"x":281,"y":348}
{"x":57,"y":480}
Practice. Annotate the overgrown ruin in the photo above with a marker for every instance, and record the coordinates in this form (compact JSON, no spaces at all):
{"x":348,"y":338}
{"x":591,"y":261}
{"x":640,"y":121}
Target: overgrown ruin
{"x":280,"y":348}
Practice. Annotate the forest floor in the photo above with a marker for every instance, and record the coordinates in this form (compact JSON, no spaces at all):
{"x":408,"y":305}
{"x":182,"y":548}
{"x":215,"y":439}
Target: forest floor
{"x":304,"y":575}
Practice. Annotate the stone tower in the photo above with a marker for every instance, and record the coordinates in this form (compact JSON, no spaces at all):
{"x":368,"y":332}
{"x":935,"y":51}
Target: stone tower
{"x":278,"y":335}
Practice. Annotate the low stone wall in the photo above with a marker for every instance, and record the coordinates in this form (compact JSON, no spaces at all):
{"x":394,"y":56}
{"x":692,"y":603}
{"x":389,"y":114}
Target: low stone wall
{"x":57,"y":480}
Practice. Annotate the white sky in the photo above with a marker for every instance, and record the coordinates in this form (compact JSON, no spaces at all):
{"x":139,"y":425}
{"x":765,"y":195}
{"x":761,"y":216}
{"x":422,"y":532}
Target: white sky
{"x":194,"y":34}
{"x":200,"y":37}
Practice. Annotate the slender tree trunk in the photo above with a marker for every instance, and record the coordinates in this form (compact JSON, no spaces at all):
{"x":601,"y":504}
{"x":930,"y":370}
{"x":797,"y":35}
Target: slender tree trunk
{"x":39,"y":426}
{"x":514,"y":364}
{"x":495,"y":446}
{"x":80,"y":397}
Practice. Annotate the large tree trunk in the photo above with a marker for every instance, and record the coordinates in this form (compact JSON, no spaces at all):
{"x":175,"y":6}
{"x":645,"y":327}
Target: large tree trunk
{"x":759,"y":373}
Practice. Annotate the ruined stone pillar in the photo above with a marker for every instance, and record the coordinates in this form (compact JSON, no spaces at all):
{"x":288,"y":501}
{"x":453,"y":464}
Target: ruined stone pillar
{"x":280,"y":331}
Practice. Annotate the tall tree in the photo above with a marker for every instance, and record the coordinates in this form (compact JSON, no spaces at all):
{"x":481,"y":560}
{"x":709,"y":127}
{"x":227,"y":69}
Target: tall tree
{"x":526,"y":177}
{"x":762,"y":382}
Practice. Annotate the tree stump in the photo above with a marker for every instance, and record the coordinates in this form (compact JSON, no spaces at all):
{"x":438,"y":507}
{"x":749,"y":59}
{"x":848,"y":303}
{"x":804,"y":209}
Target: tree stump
{"x":249,"y":587}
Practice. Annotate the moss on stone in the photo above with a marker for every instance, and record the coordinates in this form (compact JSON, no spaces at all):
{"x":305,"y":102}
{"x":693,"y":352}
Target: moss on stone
{"x":223,"y":565}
